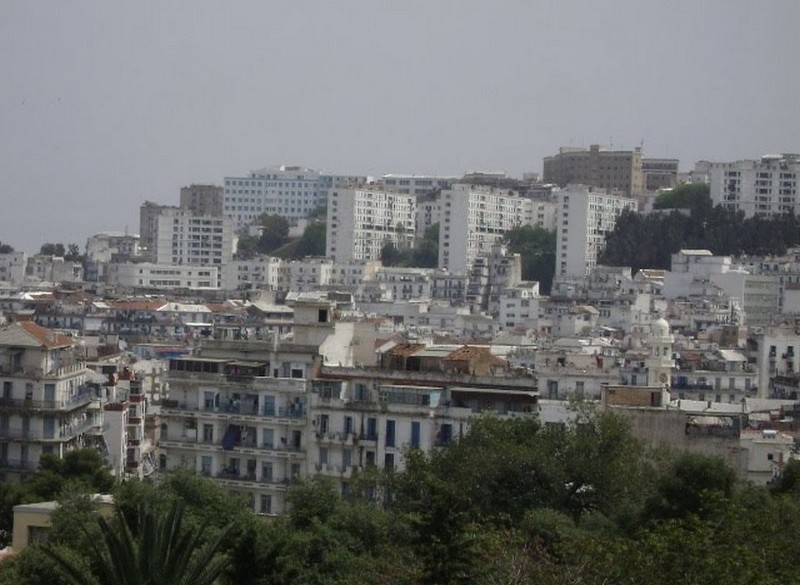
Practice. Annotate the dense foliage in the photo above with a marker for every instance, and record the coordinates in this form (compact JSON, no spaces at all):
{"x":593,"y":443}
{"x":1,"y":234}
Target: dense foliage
{"x":648,"y":241}
{"x":510,"y":502}
{"x":6,"y":248}
{"x":424,"y":254}
{"x":537,"y":248}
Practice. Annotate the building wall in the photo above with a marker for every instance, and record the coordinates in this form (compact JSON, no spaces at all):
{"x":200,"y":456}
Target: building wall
{"x":163,"y":276}
{"x":474,"y":219}
{"x":614,"y":170}
{"x":203,"y":199}
{"x":585,"y":216}
{"x":766,"y":187}
{"x":361,"y":221}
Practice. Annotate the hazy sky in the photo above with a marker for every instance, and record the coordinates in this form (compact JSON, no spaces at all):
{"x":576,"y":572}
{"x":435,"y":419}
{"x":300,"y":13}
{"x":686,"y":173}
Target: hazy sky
{"x":104,"y":105}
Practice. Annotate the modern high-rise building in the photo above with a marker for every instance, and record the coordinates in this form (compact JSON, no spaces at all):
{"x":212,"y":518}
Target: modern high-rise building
{"x":585,"y":216}
{"x":473,"y":220}
{"x":766,"y":187}
{"x":601,"y":167}
{"x":203,"y":199}
{"x":362,"y":220}
{"x":197,"y":240}
{"x":292,"y":192}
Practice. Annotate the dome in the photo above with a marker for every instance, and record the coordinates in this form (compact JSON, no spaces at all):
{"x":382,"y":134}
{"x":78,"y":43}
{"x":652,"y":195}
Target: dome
{"x":660,"y":327}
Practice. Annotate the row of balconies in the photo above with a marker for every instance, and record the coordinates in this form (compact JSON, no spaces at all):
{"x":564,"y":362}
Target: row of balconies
{"x":278,"y":450}
{"x":293,"y":413}
{"x":56,"y":405}
{"x":36,"y":435}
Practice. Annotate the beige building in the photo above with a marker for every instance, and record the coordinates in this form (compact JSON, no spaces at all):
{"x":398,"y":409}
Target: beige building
{"x":660,"y":173}
{"x":613,"y":170}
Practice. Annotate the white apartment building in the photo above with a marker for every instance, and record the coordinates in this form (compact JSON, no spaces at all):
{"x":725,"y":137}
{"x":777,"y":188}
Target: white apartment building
{"x":163,"y":276}
{"x":183,"y":238}
{"x":417,"y":185}
{"x":46,"y":404}
{"x":474,"y":219}
{"x":777,"y":353}
{"x":758,"y":295}
{"x":52,"y":269}
{"x":12,"y":267}
{"x":519,"y":306}
{"x":585,"y":216}
{"x":766,"y":187}
{"x":361,"y":221}
{"x":292,"y":192}
{"x":405,"y":284}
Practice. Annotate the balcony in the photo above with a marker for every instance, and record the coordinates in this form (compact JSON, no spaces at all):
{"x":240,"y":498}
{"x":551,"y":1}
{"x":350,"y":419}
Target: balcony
{"x":65,"y":434}
{"x":81,"y":400}
{"x":284,"y":414}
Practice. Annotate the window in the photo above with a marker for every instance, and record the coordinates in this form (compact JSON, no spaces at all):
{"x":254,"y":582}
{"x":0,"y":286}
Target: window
{"x":266,"y":504}
{"x":390,"y":428}
{"x":388,"y":461}
{"x":415,"y":434}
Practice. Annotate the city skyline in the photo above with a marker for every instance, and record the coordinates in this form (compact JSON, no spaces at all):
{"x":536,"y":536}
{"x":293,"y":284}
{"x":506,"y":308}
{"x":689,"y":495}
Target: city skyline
{"x":104,"y":107}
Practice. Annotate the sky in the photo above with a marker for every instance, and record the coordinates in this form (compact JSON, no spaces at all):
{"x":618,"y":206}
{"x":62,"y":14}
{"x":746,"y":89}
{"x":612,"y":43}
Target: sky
{"x":104,"y":105}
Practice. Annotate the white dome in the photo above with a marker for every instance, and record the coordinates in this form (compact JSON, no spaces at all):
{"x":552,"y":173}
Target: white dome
{"x":660,"y":328}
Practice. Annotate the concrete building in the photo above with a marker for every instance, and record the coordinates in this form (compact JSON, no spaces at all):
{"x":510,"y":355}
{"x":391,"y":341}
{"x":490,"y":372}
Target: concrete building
{"x":149,"y":212}
{"x":660,"y":173}
{"x":417,"y":185}
{"x":585,"y":216}
{"x":12,"y":267}
{"x":146,"y":275}
{"x":777,"y":350}
{"x":474,"y":219}
{"x":182,"y":238}
{"x":758,"y":295}
{"x":601,"y":167}
{"x":361,"y":221}
{"x":765,"y":187}
{"x":52,"y":269}
{"x":203,"y":199}
{"x":292,"y":192}
{"x":46,"y":405}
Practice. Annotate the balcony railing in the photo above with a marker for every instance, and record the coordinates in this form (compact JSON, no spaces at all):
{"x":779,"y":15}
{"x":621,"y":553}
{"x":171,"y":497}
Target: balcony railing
{"x":38,"y":435}
{"x":26,"y":403}
{"x":291,"y":412}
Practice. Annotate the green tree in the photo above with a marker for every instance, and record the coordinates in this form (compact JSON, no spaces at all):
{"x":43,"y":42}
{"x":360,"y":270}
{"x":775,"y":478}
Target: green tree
{"x":6,"y":248}
{"x":691,"y":486}
{"x":276,"y":232}
{"x":312,"y":242}
{"x":537,"y":247}
{"x":73,"y":253}
{"x":693,"y":196}
{"x":49,"y":249}
{"x":158,"y":549}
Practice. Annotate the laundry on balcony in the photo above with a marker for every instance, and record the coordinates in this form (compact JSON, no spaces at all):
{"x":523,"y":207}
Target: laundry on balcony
{"x":232,"y":437}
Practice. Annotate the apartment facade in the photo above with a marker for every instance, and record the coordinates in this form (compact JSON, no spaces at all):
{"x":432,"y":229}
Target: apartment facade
{"x":474,"y":219}
{"x":46,"y":405}
{"x":765,"y":187}
{"x":585,"y":216}
{"x":290,"y":191}
{"x":597,"y":166}
{"x":361,"y":221}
